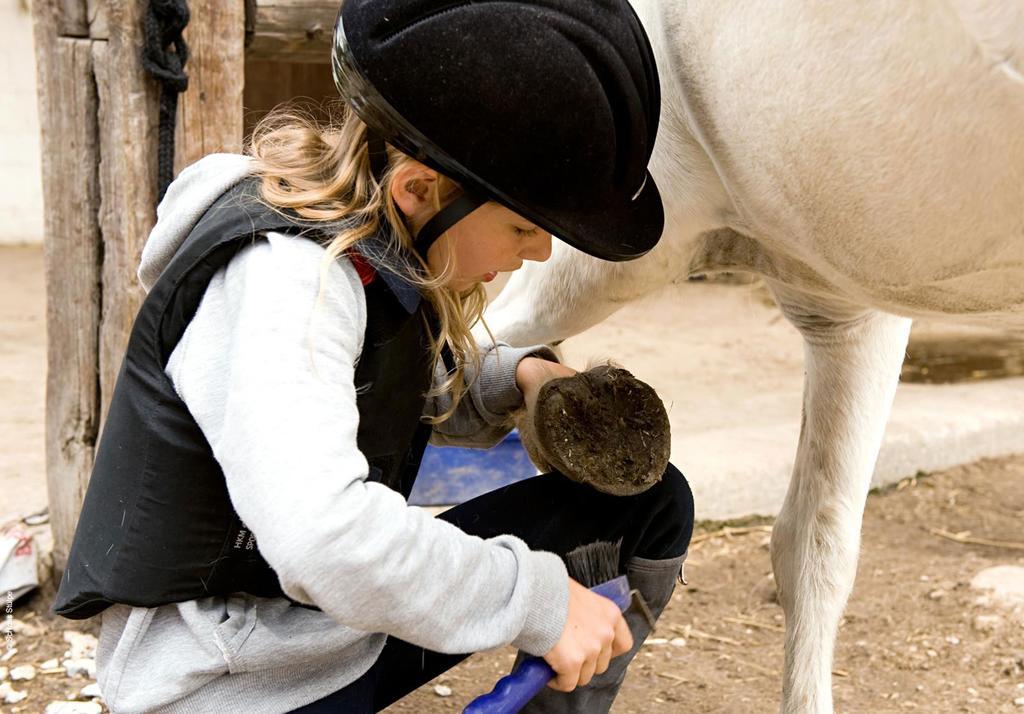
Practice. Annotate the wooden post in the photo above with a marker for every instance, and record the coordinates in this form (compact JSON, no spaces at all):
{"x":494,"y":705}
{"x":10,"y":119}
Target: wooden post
{"x":128,"y":111}
{"x":98,"y":117}
{"x":210,"y":112}
{"x":72,"y":255}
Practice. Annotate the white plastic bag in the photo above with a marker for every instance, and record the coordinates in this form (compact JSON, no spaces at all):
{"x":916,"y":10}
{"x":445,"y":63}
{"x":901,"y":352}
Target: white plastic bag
{"x":18,"y":556}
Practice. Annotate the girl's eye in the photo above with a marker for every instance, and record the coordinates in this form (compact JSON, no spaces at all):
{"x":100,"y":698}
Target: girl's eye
{"x":524,"y":231}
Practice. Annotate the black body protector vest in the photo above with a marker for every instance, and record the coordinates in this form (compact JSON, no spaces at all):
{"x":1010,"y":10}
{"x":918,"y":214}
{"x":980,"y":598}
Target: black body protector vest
{"x":157,"y":525}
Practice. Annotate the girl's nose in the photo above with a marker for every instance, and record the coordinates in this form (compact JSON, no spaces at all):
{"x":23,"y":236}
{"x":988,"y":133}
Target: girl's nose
{"x":537,"y":248}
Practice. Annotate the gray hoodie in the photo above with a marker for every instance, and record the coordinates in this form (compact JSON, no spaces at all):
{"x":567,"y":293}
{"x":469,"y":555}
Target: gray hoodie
{"x":267,"y":372}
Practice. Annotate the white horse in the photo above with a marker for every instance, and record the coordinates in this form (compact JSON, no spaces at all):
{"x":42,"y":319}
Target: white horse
{"x":867,"y":159}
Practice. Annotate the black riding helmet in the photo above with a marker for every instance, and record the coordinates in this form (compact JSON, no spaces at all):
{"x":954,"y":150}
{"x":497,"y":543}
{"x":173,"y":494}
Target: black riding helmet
{"x":549,"y":107}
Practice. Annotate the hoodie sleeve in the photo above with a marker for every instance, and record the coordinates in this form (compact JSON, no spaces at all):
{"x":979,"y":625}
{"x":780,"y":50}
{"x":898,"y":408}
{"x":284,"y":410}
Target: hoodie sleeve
{"x":268,"y":370}
{"x":481,"y":418}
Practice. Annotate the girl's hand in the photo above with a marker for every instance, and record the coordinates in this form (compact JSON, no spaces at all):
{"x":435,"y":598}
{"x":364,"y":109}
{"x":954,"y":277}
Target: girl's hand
{"x":595,"y":631}
{"x":533,"y":372}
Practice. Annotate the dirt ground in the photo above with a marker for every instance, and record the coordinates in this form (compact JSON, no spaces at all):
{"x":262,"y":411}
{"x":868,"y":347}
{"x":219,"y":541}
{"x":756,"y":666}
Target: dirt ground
{"x":911,"y":639}
{"x":915,"y":636}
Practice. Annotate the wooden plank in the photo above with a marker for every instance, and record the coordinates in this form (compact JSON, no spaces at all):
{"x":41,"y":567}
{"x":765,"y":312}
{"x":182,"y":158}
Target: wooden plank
{"x":210,"y":112}
{"x":269,"y":83}
{"x":96,"y":10}
{"x":72,"y":17}
{"x":128,"y":111}
{"x":293,"y":30}
{"x":72,"y":254}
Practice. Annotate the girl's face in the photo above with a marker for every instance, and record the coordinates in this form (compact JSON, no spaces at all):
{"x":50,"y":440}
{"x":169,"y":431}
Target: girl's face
{"x":489,"y":240}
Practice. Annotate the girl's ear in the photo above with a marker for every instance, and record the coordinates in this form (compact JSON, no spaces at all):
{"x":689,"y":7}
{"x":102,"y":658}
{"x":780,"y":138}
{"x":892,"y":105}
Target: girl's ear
{"x":412,"y":189}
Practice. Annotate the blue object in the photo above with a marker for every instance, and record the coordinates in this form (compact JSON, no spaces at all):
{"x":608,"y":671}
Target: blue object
{"x":514,"y":691}
{"x":450,"y":475}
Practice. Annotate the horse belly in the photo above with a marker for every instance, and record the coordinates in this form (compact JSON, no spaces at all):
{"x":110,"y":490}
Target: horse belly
{"x":878,"y":143}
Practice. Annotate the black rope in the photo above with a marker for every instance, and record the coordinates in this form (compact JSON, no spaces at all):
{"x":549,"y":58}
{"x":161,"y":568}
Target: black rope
{"x":164,"y":55}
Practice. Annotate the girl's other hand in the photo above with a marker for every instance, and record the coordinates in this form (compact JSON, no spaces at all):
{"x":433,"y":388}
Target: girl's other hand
{"x":595,"y":631}
{"x":533,"y":372}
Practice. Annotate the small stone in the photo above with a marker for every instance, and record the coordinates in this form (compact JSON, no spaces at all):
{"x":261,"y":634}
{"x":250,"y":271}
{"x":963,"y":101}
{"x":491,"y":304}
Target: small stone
{"x":987,"y":623}
{"x":932,"y":653}
{"x":678,"y":642}
{"x":82,"y":644}
{"x":937,"y":594}
{"x":655,"y":641}
{"x":37,"y":519}
{"x":442,"y":691}
{"x":3,"y":673}
{"x":1019,"y":701}
{"x":953,"y":640}
{"x":91,"y":690}
{"x":10,"y":694}
{"x":63,"y":707}
{"x":1006,"y":583}
{"x":21,"y":628}
{"x":9,"y":654}
{"x":85,"y":666}
{"x":50,"y":664}
{"x":972,"y":691}
{"x":23,"y":673}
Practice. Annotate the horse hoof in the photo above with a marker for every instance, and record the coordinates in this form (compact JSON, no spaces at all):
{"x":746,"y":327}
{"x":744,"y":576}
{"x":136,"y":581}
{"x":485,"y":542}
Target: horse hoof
{"x":604,"y":428}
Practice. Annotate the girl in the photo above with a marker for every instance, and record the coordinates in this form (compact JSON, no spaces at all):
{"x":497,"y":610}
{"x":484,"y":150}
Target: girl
{"x":306,"y":331}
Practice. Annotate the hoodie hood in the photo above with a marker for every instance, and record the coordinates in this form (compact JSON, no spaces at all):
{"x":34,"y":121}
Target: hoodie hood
{"x":187,"y":198}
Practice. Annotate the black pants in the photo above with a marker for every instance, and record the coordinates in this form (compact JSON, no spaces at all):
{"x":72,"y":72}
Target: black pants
{"x":549,"y":512}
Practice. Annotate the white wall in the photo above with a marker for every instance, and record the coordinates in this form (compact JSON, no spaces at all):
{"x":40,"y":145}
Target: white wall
{"x":21,"y":204}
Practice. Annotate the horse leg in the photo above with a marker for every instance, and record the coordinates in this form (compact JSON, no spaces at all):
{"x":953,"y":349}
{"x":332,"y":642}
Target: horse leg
{"x":853,"y":359}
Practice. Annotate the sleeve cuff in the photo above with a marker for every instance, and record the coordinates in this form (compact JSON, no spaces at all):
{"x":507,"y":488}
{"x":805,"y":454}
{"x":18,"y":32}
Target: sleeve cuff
{"x":499,"y":393}
{"x":549,"y":605}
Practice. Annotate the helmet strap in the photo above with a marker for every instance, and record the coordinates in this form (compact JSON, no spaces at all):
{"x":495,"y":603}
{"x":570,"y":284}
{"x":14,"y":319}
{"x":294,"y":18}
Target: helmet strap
{"x":445,"y":219}
{"x":377,"y":151}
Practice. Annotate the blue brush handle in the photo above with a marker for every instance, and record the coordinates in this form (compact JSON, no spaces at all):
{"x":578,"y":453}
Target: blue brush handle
{"x":513,"y":691}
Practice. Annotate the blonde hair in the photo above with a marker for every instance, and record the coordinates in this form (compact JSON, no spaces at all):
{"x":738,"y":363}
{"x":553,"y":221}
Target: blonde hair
{"x":320,"y":170}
